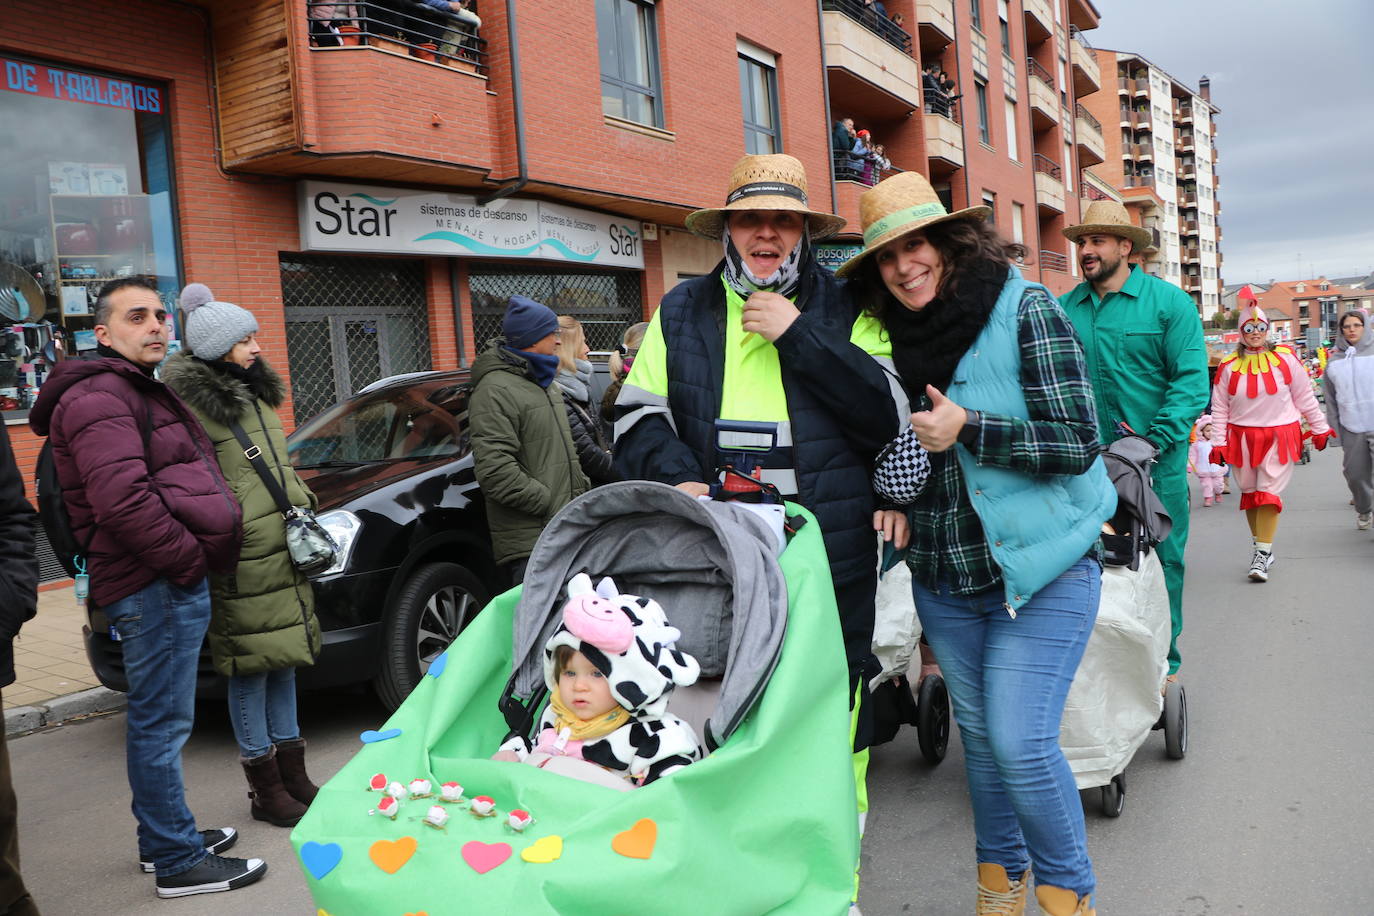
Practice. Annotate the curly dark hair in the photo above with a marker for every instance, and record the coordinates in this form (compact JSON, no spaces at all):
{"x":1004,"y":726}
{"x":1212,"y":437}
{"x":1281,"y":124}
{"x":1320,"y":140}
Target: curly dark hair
{"x":968,"y":247}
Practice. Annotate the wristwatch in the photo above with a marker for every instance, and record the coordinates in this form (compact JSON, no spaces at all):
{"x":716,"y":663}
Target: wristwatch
{"x":973,"y":421}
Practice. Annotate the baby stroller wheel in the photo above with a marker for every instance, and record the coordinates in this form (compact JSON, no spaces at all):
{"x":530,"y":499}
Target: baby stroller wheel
{"x":1114,"y":796}
{"x":932,"y":718}
{"x":1175,"y":720}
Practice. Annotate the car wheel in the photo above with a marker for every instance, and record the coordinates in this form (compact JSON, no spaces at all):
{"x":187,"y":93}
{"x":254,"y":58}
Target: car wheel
{"x":432,"y":607}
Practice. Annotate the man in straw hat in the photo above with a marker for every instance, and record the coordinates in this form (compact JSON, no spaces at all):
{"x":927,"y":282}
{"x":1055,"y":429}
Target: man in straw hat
{"x":1143,"y":343}
{"x":769,"y":336}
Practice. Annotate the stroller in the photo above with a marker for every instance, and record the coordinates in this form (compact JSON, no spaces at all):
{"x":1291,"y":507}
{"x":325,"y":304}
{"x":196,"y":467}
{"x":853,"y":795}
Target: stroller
{"x":1115,"y":700}
{"x":765,"y":823}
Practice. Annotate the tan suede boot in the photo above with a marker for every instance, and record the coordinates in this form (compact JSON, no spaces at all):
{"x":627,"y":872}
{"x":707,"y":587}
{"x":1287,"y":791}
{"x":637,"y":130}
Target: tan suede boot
{"x":998,"y":894}
{"x":1056,"y":901}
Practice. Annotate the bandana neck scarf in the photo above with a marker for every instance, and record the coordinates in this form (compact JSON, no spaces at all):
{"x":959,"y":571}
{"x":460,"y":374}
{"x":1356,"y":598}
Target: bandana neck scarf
{"x":585,"y":729}
{"x":784,"y":280}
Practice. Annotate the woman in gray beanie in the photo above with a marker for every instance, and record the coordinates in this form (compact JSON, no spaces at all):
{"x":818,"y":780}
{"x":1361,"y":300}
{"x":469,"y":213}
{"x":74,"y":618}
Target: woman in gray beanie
{"x":263,"y":623}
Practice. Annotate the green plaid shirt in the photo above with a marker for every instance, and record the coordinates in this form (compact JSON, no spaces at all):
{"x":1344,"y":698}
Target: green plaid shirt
{"x":1060,"y":437}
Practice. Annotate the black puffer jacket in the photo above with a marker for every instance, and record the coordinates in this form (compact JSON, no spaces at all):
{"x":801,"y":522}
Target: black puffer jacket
{"x":838,"y":399}
{"x":18,"y":563}
{"x":592,"y":452}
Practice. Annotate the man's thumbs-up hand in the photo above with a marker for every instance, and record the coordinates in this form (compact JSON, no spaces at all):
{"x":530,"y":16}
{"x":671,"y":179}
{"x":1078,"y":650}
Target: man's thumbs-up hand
{"x":938,"y":428}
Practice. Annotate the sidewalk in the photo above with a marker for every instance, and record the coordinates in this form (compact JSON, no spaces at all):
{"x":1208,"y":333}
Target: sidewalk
{"x":53,"y":680}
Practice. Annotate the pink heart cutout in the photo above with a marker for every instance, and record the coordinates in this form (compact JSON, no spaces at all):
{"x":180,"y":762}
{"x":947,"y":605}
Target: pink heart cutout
{"x":483,"y":857}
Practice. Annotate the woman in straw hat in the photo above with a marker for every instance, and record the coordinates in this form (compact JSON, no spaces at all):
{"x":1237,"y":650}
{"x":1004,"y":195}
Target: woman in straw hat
{"x":1004,"y":537}
{"x":771,"y":337}
{"x":1261,"y":395}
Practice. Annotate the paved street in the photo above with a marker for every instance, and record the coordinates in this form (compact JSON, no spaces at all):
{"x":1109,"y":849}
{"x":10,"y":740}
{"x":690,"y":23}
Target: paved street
{"x":1268,"y":814}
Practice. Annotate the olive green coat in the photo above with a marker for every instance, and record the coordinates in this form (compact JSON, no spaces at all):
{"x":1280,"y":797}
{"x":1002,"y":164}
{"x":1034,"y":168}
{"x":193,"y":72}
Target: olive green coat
{"x":263,"y":613}
{"x":522,"y":450}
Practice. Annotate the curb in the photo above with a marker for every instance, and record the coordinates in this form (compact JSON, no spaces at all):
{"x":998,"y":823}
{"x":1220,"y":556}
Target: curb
{"x":24,"y":719}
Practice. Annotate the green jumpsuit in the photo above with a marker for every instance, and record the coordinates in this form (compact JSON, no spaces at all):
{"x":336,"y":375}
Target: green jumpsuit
{"x":1148,"y":367}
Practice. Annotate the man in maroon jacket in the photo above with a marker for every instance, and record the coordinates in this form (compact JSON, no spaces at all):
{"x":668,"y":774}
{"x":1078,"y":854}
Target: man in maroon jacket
{"x":143,"y":489}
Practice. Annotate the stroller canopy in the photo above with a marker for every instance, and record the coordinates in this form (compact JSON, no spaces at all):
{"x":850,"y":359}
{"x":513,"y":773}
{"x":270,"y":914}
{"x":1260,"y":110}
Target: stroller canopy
{"x":711,"y":565}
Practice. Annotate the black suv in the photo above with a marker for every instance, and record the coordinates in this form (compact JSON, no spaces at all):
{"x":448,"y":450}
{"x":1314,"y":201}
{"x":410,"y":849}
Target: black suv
{"x":392,"y":467}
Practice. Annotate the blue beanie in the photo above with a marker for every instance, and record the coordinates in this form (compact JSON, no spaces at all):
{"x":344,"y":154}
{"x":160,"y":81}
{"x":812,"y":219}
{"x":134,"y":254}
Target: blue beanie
{"x":527,"y":322}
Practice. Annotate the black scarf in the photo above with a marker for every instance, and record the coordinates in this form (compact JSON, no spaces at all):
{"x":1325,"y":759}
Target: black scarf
{"x":927,"y":345}
{"x":112,"y":353}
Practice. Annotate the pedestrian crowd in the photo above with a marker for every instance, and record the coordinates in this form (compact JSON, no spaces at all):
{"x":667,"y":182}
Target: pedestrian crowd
{"x":857,"y":157}
{"x":928,"y":338}
{"x":937,"y":90}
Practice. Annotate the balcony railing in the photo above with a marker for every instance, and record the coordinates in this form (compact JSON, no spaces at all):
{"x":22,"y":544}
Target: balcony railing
{"x":403,"y":27}
{"x":1053,"y":260}
{"x":1080,"y":112}
{"x":1039,"y":72}
{"x":846,"y":169}
{"x":1092,"y":192}
{"x":1048,"y":166}
{"x":867,"y":17}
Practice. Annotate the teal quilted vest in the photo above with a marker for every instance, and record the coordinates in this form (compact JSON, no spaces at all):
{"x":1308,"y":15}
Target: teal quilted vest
{"x":1036,"y":527}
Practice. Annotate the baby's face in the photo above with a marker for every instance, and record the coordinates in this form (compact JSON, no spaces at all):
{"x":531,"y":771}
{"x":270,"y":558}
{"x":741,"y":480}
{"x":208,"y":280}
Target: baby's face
{"x":583,"y":688}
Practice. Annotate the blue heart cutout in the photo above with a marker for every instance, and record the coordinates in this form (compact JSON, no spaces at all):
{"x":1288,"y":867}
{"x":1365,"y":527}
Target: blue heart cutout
{"x":437,"y":666}
{"x":320,"y":858}
{"x":371,"y":737}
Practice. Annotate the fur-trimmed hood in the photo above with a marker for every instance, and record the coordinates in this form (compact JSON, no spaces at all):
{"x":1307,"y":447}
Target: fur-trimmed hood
{"x":216,"y":394}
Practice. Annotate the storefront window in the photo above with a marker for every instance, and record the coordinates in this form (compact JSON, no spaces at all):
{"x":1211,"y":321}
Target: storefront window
{"x":85,"y":197}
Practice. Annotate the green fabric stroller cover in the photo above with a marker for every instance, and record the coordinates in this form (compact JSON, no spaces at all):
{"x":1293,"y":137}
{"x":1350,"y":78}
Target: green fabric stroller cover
{"x":765,"y":824}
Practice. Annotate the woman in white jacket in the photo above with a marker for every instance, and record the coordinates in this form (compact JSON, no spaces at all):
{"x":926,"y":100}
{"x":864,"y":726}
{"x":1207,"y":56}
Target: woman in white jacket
{"x":1349,"y":384}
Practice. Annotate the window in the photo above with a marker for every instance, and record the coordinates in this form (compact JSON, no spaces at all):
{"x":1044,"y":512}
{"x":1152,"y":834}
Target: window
{"x":976,"y":14}
{"x":980,"y":89}
{"x":629,"y":60}
{"x":1018,"y":223}
{"x":1002,"y":16}
{"x":1063,"y":80}
{"x":1011,"y":130}
{"x":990,"y":201}
{"x":85,"y":197}
{"x":758,"y":86}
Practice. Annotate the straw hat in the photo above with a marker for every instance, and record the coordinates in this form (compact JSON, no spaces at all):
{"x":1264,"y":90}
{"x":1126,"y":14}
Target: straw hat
{"x":772,"y":182}
{"x":1108,"y":217}
{"x":898,"y":205}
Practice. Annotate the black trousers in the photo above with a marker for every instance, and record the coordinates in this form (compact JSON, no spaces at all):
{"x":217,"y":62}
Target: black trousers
{"x":855,"y":603}
{"x":14,"y":897}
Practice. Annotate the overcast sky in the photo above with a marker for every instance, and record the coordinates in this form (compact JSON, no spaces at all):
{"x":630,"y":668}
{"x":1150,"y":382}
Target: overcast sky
{"x":1295,"y":137}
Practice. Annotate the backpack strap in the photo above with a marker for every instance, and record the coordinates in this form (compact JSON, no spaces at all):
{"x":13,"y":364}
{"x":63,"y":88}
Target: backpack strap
{"x":254,"y":456}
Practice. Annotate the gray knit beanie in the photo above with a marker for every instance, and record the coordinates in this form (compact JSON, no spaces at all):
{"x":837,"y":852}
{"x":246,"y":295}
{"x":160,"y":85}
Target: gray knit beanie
{"x":212,"y":327}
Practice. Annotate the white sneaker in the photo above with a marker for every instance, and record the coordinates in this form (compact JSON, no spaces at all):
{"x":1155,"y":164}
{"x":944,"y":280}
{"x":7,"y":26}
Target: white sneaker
{"x":1363,"y":520}
{"x":1259,"y":566}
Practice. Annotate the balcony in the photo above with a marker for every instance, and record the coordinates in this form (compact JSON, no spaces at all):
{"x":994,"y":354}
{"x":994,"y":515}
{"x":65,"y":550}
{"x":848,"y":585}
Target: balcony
{"x":1141,"y":151}
{"x":1190,"y":227}
{"x":1141,"y":87}
{"x":1087,"y":75}
{"x":1183,"y":141}
{"x":862,"y":14}
{"x":1092,"y":148}
{"x":1049,"y":184}
{"x":1094,"y":188}
{"x":1043,"y":97}
{"x":869,"y":59}
{"x":1053,"y":260}
{"x":935,"y":24}
{"x":1188,"y":173}
{"x":944,"y":143}
{"x":1039,"y":20}
{"x":1191,"y":256}
{"x":1192,"y":284}
{"x":1183,"y":114}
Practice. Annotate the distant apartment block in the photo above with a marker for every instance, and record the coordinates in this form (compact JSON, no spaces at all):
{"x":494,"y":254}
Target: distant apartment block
{"x":1161,"y":157}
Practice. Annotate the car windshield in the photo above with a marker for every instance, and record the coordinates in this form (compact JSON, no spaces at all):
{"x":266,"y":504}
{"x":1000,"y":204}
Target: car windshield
{"x":398,"y":424}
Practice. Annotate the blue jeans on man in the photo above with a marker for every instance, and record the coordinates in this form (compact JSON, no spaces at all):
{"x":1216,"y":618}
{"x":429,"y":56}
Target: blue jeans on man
{"x":1008,"y":680}
{"x":162,"y":627}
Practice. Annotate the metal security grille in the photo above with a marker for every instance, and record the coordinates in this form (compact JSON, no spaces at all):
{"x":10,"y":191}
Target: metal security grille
{"x":605,"y":301}
{"x":349,"y":322}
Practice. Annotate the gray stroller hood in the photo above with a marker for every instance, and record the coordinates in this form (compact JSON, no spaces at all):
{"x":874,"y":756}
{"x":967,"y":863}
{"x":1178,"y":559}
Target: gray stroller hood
{"x":711,"y":565}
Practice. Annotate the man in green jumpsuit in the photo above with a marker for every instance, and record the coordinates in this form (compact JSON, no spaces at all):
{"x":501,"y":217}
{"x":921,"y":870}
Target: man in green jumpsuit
{"x":1143,"y":341}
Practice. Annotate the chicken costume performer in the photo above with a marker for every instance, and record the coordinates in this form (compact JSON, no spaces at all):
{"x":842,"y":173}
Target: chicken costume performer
{"x":1261,"y":395}
{"x":628,"y":639}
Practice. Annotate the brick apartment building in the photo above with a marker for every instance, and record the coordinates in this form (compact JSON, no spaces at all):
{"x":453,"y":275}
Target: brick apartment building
{"x":1316,"y":304}
{"x":374,"y":195}
{"x":1161,"y":157}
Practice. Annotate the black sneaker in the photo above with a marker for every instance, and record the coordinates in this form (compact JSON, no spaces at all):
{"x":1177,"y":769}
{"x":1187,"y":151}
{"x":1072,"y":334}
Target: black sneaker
{"x":213,"y":874}
{"x":216,"y":841}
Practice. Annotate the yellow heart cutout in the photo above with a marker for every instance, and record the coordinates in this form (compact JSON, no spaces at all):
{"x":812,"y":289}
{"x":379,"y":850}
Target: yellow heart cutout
{"x":543,"y":850}
{"x":389,"y":856}
{"x":638,"y":841}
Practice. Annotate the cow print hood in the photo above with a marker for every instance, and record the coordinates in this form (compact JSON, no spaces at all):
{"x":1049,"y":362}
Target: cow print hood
{"x":628,"y":639}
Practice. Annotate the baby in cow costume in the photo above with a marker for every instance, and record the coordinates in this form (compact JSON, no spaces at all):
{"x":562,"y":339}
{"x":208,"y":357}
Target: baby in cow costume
{"x":610,"y":668}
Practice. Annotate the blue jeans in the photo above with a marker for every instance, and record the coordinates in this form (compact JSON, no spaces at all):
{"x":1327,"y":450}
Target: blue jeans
{"x":263,"y":710}
{"x":1008,"y":680}
{"x":162,"y":627}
